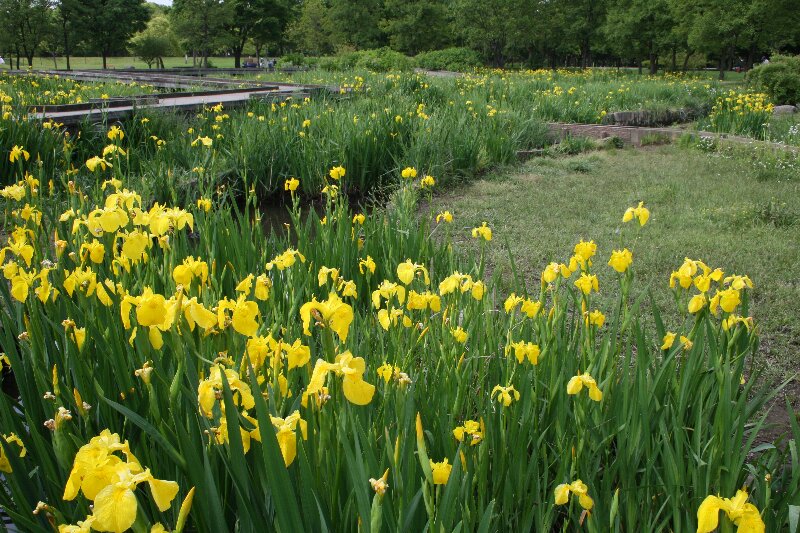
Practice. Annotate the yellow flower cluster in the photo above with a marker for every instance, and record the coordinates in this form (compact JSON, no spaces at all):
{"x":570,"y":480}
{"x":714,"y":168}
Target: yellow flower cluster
{"x":109,"y":481}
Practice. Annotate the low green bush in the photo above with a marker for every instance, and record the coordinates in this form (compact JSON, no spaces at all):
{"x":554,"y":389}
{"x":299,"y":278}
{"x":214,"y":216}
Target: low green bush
{"x":379,"y":60}
{"x":458,"y":59}
{"x":780,"y":79}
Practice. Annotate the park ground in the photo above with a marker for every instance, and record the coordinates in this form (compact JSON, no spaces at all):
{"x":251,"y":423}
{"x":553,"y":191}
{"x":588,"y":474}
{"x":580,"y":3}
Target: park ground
{"x":704,"y":206}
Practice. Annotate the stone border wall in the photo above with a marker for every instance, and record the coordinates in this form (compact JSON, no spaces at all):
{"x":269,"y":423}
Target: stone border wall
{"x":632,"y":135}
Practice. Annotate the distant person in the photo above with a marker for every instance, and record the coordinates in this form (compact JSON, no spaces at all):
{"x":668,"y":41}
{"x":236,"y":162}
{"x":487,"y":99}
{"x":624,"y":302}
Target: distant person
{"x":764,"y":60}
{"x":2,"y":61}
{"x":185,"y":59}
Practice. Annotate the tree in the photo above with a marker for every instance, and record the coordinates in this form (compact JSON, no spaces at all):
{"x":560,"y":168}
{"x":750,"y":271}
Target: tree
{"x":772,"y":25}
{"x":112,"y":23}
{"x":314,"y":32}
{"x":200,"y":24}
{"x":587,"y":17}
{"x":642,"y":28}
{"x":69,"y":19}
{"x":253,"y":19}
{"x":415,"y":26}
{"x":484,"y":26}
{"x":357,"y":23}
{"x":25,"y":24}
{"x":155,"y":42}
{"x":274,"y":30}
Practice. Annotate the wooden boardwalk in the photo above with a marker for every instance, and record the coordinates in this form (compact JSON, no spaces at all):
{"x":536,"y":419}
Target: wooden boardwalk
{"x":162,"y":79}
{"x":231,"y":93}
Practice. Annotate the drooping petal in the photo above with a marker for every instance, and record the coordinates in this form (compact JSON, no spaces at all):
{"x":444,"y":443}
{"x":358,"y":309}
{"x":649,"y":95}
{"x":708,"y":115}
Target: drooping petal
{"x":708,"y":514}
{"x":575,"y":385}
{"x":163,"y":492}
{"x":358,"y":391}
{"x":562,"y":494}
{"x":114,"y":509}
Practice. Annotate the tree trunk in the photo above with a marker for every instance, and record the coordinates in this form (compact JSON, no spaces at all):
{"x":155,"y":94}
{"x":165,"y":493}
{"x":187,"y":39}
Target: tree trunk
{"x":55,"y":63}
{"x":639,"y":61}
{"x":237,"y":57}
{"x":750,"y":58}
{"x":721,"y":66}
{"x":105,"y":62}
{"x":686,"y":60}
{"x":653,"y":64}
{"x":674,"y":66}
{"x":65,"y":33}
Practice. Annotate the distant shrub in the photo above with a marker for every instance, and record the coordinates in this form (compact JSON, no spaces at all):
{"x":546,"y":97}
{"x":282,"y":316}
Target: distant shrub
{"x":295,"y":59}
{"x":378,"y":60}
{"x":328,"y":63}
{"x":457,"y":59}
{"x":780,"y":79}
{"x":383,"y":60}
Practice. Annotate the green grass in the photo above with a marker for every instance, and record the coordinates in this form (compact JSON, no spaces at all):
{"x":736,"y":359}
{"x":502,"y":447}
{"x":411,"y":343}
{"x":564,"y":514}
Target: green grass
{"x":703,"y":207}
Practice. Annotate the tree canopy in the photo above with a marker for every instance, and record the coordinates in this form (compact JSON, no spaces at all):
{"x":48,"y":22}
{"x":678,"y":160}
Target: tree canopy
{"x":531,"y":33}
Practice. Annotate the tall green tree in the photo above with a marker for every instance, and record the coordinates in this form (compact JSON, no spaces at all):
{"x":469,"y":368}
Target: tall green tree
{"x":415,"y":26}
{"x":70,"y":20}
{"x":272,"y":31}
{"x":771,"y":25}
{"x":253,"y":19}
{"x":639,"y":29}
{"x":716,"y":27}
{"x":314,"y":31}
{"x":155,"y":42}
{"x":200,"y":25}
{"x":112,"y":22}
{"x":357,"y":23}
{"x":25,"y":23}
{"x":586,"y":20}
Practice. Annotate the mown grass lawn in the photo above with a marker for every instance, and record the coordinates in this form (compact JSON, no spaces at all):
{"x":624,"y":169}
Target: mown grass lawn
{"x":704,"y":206}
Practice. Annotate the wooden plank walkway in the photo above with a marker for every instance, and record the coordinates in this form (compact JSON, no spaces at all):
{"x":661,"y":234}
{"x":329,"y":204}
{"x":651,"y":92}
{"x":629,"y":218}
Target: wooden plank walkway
{"x":229,"y":92}
{"x":154,"y":78}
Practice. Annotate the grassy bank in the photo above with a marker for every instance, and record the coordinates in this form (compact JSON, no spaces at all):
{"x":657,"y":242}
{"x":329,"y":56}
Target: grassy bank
{"x":721,"y":209}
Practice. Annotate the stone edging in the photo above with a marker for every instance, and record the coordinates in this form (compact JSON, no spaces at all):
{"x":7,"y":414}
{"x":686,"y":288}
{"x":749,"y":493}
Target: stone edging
{"x":633,"y":135}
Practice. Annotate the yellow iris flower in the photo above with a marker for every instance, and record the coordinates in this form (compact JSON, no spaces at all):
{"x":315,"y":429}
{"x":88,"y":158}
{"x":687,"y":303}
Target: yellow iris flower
{"x":18,"y":153}
{"x":482,"y":231}
{"x":576,"y":383}
{"x":337,"y":173}
{"x":441,"y":471}
{"x":109,"y":481}
{"x":743,"y":514}
{"x":291,"y":184}
{"x":332,"y":313}
{"x":620,"y":260}
{"x":640,"y":212}
{"x":578,"y":487}
{"x":355,"y":389}
{"x":505,"y":395}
